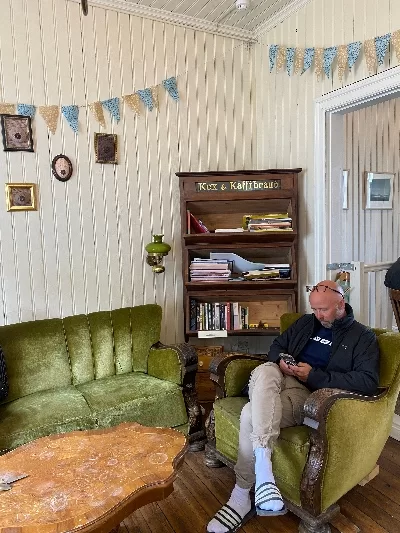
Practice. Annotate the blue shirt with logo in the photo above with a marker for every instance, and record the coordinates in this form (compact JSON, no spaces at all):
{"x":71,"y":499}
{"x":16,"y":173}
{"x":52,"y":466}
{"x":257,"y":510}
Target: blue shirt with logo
{"x":318,"y":349}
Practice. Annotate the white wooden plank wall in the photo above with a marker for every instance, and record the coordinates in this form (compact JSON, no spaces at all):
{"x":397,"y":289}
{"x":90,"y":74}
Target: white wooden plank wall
{"x":83,"y":250}
{"x":285,"y":105}
{"x":372,"y":144}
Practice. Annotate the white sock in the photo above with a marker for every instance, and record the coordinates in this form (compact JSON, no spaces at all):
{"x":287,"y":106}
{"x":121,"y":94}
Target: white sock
{"x":264,"y":475}
{"x":240,"y":502}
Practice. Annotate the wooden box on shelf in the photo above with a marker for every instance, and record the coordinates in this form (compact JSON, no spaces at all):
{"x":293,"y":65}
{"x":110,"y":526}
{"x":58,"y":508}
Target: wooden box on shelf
{"x":214,"y":209}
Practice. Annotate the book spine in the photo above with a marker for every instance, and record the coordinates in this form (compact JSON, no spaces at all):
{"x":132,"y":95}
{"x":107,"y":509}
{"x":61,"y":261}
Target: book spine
{"x":192,"y":314}
{"x":228,"y":316}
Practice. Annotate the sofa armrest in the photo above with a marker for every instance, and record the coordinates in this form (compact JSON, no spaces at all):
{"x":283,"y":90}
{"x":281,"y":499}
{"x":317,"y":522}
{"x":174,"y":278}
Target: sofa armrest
{"x":178,"y":363}
{"x":231,"y":372}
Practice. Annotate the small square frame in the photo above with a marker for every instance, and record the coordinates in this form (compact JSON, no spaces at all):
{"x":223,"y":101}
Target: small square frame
{"x":379,"y":190}
{"x":27,"y":191}
{"x":17,"y":133}
{"x":106,"y":148}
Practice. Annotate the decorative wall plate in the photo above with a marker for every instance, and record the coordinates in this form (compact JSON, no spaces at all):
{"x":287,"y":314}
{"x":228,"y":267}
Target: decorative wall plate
{"x":62,"y":167}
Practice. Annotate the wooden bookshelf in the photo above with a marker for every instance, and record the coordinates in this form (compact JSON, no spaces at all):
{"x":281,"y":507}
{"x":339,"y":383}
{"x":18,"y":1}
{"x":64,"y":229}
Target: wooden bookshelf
{"x":220,"y":200}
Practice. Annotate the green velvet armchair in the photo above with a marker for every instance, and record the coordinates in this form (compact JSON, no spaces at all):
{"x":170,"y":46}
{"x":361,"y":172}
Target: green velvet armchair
{"x":337,"y":447}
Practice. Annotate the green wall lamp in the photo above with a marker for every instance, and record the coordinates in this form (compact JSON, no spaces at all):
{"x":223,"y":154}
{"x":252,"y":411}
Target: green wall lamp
{"x":156,"y":250}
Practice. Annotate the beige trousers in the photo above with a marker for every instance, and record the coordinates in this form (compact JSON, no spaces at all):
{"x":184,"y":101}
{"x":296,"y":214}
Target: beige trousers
{"x":276,"y":401}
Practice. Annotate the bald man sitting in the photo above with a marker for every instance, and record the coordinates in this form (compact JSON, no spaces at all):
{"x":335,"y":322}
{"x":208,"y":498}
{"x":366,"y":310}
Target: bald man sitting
{"x":330,"y":349}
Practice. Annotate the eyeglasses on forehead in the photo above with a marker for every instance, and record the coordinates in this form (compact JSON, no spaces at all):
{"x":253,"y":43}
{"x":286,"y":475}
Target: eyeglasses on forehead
{"x":322,"y":288}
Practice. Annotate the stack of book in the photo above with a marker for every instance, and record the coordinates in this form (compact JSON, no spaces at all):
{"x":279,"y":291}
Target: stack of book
{"x":270,"y":222}
{"x":209,"y":270}
{"x":217,"y":316}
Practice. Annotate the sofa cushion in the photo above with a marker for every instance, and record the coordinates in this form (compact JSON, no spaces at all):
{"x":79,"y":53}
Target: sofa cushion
{"x":289,"y":455}
{"x":36,"y":357}
{"x":135,"y":397}
{"x":43,"y":413}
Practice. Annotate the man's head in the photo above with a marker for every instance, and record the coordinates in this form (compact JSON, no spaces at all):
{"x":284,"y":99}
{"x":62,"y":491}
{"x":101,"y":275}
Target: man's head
{"x":327,"y":302}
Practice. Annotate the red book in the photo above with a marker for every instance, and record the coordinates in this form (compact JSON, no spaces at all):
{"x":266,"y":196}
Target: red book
{"x":197,"y":226}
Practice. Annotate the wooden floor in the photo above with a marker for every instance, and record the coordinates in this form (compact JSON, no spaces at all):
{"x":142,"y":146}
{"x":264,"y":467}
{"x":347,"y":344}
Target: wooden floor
{"x":200,"y":492}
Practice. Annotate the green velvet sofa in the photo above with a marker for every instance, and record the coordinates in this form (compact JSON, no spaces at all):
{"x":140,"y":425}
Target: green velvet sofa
{"x":337,"y":447}
{"x":95,"y":371}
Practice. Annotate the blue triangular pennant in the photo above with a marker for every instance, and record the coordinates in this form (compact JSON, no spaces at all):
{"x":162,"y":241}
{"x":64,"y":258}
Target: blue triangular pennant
{"x":308,"y":58}
{"x":353,"y":51}
{"x":71,"y":113}
{"x":381,"y":44}
{"x":329,"y":56}
{"x":290,"y":52}
{"x":27,"y":110}
{"x":170,"y":85}
{"x":273,"y":52}
{"x":146,"y":97}
{"x":112,"y":105}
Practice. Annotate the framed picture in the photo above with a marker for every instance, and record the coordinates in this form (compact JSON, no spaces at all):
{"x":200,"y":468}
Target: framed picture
{"x":106,"y":148}
{"x":17,"y":133}
{"x":379,"y":190}
{"x":21,"y":196}
{"x":61,"y":167}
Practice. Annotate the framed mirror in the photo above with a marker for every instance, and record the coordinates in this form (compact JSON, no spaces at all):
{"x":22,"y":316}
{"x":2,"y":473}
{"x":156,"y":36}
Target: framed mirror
{"x":62,"y":167}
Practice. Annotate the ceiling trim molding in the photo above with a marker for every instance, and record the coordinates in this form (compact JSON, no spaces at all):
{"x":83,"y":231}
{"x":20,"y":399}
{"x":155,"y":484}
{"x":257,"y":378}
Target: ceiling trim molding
{"x":161,"y":15}
{"x":279,"y":17}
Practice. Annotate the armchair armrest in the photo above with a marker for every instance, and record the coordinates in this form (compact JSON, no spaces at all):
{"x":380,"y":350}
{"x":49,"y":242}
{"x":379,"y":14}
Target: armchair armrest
{"x":178,"y":363}
{"x":231,"y":372}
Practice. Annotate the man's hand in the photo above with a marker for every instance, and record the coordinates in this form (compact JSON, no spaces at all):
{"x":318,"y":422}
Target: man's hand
{"x":286,"y":369}
{"x":301,"y":371}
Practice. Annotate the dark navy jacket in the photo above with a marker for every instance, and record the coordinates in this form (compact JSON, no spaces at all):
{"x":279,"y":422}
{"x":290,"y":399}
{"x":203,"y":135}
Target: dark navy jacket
{"x":354,"y":361}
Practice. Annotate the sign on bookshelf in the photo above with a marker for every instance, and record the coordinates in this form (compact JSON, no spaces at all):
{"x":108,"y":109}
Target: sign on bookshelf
{"x":234,"y":186}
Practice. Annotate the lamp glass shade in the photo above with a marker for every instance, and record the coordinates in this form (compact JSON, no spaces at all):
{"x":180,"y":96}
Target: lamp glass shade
{"x":157,"y":246}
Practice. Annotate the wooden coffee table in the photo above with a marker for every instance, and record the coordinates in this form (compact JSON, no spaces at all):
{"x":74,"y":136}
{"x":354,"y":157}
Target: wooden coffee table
{"x":88,"y":480}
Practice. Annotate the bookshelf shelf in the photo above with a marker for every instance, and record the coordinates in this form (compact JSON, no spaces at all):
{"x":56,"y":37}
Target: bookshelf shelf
{"x":224,"y":200}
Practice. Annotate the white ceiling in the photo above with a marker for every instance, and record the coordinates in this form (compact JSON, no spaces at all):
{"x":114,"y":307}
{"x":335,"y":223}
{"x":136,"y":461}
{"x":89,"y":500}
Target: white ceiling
{"x":217,"y":16}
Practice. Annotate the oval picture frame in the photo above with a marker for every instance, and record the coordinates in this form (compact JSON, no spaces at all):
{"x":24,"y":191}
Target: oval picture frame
{"x":61,"y":167}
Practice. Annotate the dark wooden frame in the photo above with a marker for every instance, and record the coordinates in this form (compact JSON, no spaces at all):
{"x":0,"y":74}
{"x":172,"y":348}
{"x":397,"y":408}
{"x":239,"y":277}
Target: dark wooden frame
{"x":395,"y":299}
{"x":317,"y":409}
{"x":53,"y":167}
{"x":96,"y":148}
{"x":84,"y":4}
{"x":21,"y":118}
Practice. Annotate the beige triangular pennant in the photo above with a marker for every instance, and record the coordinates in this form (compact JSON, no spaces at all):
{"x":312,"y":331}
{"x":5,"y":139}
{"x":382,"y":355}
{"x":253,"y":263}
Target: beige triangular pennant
{"x":299,"y":60}
{"x":154,"y":94}
{"x":281,"y":58}
{"x":133,"y":101}
{"x":342,"y":60}
{"x":370,"y":55}
{"x":318,"y":62}
{"x":50,"y":115}
{"x":97,"y":109}
{"x":396,"y":43}
{"x":7,"y":109}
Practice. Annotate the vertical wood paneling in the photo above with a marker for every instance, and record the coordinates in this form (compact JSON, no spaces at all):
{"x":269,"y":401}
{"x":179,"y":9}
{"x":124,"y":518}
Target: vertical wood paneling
{"x":285,"y":118}
{"x":83,"y":250}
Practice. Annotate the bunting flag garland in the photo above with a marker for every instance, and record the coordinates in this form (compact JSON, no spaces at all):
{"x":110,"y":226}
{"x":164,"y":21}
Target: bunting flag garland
{"x":396,"y":43}
{"x":7,"y":109}
{"x":353,"y":51}
{"x":97,"y":110}
{"x":171,"y":86}
{"x":290,"y":52}
{"x":273,"y":52}
{"x":342,"y":60}
{"x":27,"y":110}
{"x":370,"y":54}
{"x":50,"y":114}
{"x":381,"y":44}
{"x":308,"y":58}
{"x":133,"y":101}
{"x":154,"y":94}
{"x":112,"y":105}
{"x":146,"y":97}
{"x":71,"y":113}
{"x":299,"y":60}
{"x":280,"y":60}
{"x":329,"y":56}
{"x":318,"y":62}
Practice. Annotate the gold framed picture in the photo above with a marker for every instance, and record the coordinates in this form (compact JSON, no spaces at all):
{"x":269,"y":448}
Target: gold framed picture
{"x":21,"y":196}
{"x":106,"y":148}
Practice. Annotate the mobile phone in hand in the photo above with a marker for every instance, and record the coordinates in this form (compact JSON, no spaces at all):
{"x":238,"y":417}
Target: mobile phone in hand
{"x":288,"y":359}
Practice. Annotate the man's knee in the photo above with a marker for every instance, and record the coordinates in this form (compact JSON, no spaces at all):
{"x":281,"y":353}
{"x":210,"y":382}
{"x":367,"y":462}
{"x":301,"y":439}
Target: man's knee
{"x":266,"y":370}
